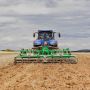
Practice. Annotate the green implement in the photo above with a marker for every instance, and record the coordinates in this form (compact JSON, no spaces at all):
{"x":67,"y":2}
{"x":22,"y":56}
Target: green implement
{"x":45,"y":55}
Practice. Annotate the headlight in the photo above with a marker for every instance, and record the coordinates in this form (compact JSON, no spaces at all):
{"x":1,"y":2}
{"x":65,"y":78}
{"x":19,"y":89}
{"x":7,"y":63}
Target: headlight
{"x":53,"y":42}
{"x":37,"y":43}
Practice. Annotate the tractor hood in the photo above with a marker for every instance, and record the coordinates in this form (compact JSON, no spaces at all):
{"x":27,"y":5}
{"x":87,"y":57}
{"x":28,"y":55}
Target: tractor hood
{"x":41,"y":42}
{"x":52,"y":42}
{"x":38,"y":42}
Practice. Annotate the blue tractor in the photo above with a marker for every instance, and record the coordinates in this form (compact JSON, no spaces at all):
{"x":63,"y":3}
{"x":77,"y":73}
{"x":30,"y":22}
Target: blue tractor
{"x":45,"y":37}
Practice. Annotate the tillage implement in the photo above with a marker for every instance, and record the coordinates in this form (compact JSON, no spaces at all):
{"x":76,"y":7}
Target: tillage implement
{"x":45,"y":50}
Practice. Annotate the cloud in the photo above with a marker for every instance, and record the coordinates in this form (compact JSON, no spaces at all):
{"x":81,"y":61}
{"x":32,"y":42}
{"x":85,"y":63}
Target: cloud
{"x":74,"y":44}
{"x":5,"y":19}
{"x":38,"y":7}
{"x":7,"y":39}
{"x":20,"y":18}
{"x":25,"y":9}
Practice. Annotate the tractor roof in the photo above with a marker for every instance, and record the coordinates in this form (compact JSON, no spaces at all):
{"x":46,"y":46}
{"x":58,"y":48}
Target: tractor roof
{"x":45,"y":30}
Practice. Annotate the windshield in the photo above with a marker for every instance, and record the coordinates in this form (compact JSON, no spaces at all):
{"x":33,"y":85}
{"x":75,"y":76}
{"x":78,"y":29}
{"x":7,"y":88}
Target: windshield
{"x":45,"y":35}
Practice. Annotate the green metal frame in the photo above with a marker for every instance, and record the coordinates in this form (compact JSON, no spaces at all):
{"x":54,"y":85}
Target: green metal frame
{"x":45,"y":52}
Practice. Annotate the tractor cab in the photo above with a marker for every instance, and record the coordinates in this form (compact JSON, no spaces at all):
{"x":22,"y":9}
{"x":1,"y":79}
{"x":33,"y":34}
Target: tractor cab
{"x":45,"y":37}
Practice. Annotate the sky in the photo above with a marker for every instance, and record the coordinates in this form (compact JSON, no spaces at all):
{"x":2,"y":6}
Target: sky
{"x":20,"y":18}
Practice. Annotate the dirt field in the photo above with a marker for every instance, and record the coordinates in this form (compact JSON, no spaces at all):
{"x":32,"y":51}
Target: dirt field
{"x":44,"y":76}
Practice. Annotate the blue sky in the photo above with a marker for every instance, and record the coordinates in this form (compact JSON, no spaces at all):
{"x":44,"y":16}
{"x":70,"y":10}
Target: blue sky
{"x":20,"y":18}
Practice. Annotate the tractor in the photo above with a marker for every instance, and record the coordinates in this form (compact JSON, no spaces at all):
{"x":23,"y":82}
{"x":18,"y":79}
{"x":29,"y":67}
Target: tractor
{"x":45,"y":37}
{"x":45,"y":50}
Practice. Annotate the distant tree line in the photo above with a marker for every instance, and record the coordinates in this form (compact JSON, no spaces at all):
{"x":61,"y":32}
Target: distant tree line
{"x":8,"y":50}
{"x":83,"y":50}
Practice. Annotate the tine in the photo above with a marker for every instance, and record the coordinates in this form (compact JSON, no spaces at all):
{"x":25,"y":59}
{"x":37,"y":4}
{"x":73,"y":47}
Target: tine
{"x":47,"y":60}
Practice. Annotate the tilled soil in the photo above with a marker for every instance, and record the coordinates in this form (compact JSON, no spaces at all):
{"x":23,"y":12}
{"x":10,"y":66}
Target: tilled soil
{"x":45,"y":76}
